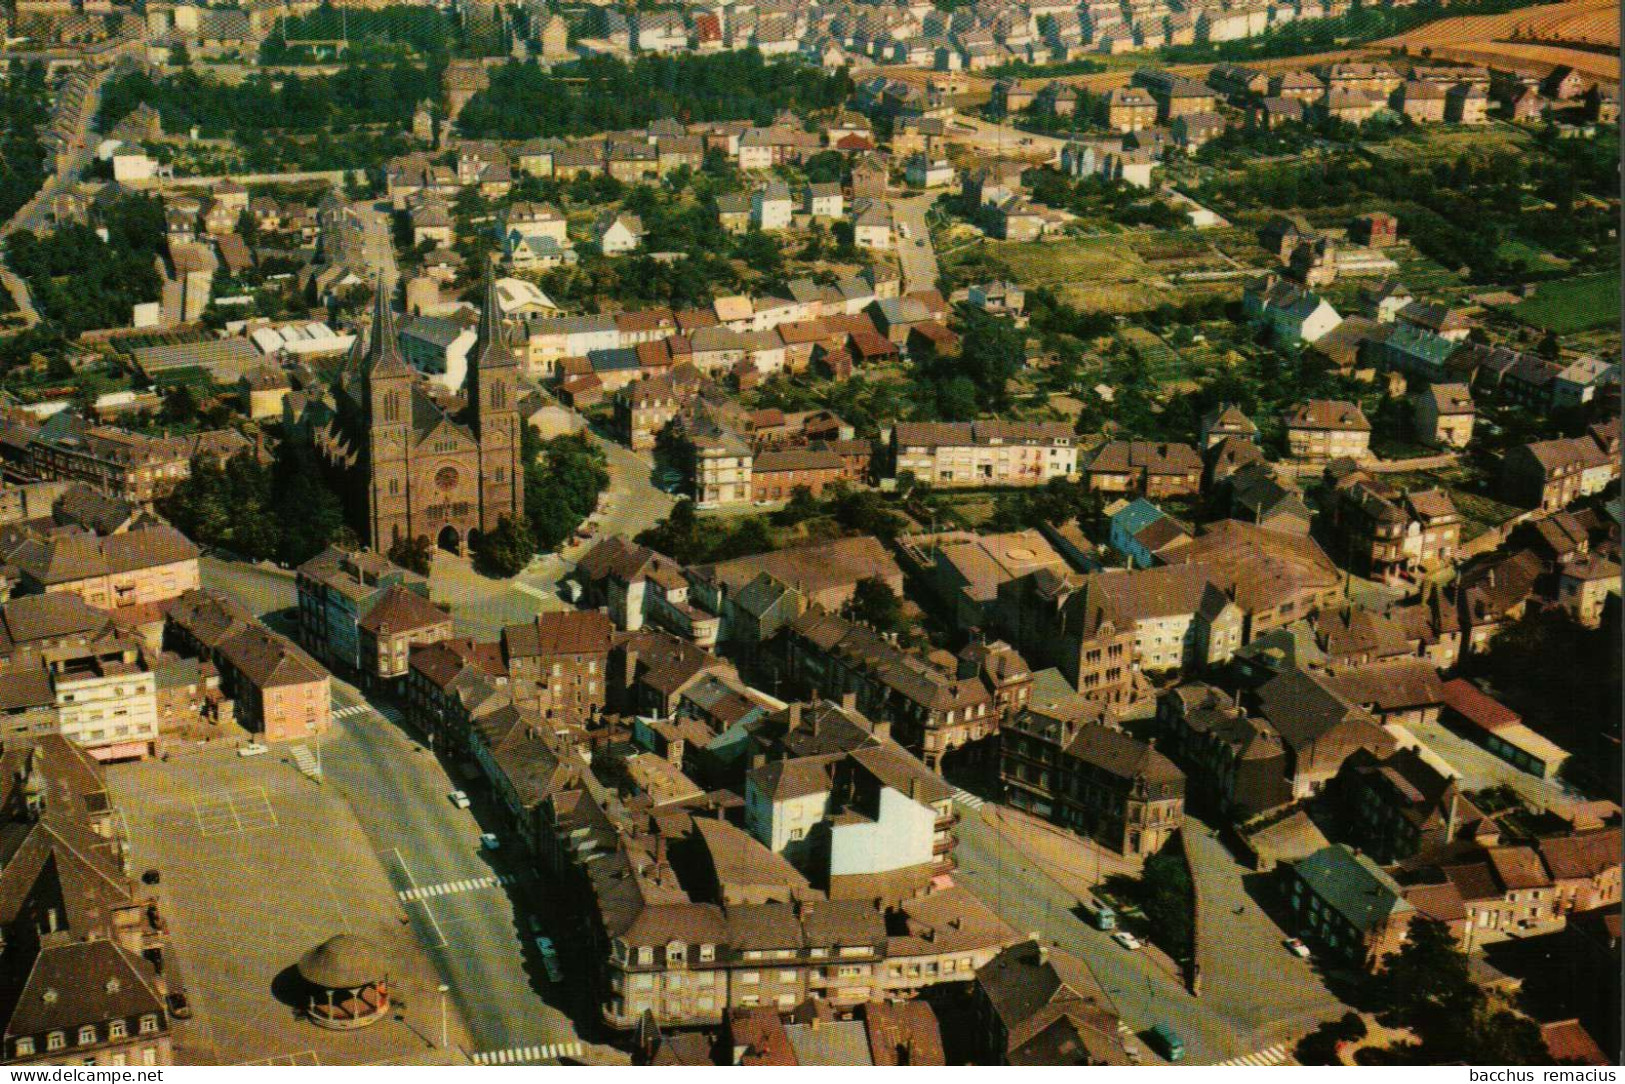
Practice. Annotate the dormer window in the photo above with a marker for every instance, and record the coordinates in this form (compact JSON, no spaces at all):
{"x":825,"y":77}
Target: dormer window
{"x":87,"y":1034}
{"x":55,"y":1041}
{"x":676,"y":953}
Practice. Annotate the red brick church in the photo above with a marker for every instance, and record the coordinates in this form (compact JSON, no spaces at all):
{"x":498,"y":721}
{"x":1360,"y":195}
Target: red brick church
{"x":415,"y":466}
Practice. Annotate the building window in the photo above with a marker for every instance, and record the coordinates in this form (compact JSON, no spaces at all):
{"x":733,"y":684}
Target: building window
{"x":149,"y":1024}
{"x":87,"y":1034}
{"x":55,"y":1041}
{"x":24,"y":1048}
{"x":117,"y":1030}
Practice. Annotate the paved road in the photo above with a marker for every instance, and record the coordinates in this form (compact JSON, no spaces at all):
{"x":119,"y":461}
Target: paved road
{"x":1224,"y":1023}
{"x":377,"y":241}
{"x":1245,"y":965}
{"x":259,"y":589}
{"x":32,"y":215}
{"x":914,"y":252}
{"x":631,"y":505}
{"x":452,"y":891}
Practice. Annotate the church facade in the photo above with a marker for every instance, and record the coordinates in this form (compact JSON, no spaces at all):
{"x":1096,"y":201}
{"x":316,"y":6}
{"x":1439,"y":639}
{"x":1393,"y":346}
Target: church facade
{"x":413,"y":466}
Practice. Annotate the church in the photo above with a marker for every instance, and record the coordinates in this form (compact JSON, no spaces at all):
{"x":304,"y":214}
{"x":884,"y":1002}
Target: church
{"x":412,"y":466}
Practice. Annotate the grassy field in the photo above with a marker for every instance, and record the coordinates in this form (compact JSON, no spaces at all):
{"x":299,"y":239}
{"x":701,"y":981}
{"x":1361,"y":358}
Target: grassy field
{"x":1123,"y":273}
{"x":1447,"y":142}
{"x":1576,"y":304}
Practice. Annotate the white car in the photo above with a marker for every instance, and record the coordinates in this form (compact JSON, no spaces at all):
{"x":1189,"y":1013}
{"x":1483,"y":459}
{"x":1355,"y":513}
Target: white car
{"x":1127,"y":940}
{"x":1297,"y":948}
{"x":459,"y":799}
{"x":489,"y":841}
{"x":253,"y":749}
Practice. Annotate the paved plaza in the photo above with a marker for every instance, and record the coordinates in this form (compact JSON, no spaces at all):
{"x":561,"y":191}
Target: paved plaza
{"x":302,"y":871}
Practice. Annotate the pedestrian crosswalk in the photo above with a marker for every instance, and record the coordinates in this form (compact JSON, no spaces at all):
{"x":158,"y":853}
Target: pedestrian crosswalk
{"x":449,"y":888}
{"x":519,"y":1055}
{"x":305,"y":762}
{"x":392,"y":714}
{"x":1274,"y":1055}
{"x":968,"y":800}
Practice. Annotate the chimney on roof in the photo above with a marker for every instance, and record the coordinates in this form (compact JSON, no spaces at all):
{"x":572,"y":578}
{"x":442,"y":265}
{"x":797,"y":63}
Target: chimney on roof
{"x":794,"y":723}
{"x":1043,"y":953}
{"x":1450,"y":821}
{"x":849,"y":701}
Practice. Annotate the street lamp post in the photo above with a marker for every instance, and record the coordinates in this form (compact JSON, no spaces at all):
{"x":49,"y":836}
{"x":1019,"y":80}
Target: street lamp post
{"x":444,"y":1038}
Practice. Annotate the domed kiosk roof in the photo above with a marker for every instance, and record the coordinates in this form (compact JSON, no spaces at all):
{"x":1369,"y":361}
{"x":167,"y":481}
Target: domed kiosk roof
{"x":342,"y":962}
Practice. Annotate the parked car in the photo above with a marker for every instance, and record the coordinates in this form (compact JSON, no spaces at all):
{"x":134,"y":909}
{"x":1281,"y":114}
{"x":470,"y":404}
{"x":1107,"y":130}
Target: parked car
{"x":1104,"y":917}
{"x":1127,"y":940}
{"x":1297,"y":948}
{"x":1173,"y":1047}
{"x":489,"y":841}
{"x":550,"y":959}
{"x":253,"y":749}
{"x":459,"y":799}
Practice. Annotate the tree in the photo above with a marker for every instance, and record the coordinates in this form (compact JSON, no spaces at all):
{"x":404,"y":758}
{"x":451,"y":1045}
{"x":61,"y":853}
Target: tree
{"x":957,"y":399}
{"x":677,"y":536}
{"x":505,"y":551}
{"x":875,"y":604}
{"x":1428,"y":970}
{"x":1430,"y":989}
{"x":282,"y":511}
{"x":416,"y":554}
{"x":1168,"y":900}
{"x":563,"y":480}
{"x":180,"y":405}
{"x":801,"y":507}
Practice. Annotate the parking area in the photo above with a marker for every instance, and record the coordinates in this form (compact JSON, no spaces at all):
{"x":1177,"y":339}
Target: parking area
{"x":257,"y":864}
{"x":221,"y":814}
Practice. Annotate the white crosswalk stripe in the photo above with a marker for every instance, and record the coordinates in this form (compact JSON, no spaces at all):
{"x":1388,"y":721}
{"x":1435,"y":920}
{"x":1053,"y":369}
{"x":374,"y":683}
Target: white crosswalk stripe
{"x":448,"y":888}
{"x":518,"y":1055}
{"x":1274,"y":1055}
{"x":967,"y":799}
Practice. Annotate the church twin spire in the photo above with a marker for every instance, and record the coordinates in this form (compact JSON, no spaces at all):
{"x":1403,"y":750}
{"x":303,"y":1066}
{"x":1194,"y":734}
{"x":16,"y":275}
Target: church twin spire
{"x":383,"y":356}
{"x":491,"y":349}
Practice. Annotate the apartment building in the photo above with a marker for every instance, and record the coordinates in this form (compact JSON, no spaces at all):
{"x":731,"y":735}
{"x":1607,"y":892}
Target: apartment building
{"x":279,"y":691}
{"x":88,"y":985}
{"x":1323,"y":429}
{"x":339,"y":592}
{"x":140,"y":567}
{"x":1067,"y":762}
{"x":119,"y":462}
{"x":984,"y":453}
{"x":558,"y":663}
{"x":105,"y":698}
{"x":1392,"y":536}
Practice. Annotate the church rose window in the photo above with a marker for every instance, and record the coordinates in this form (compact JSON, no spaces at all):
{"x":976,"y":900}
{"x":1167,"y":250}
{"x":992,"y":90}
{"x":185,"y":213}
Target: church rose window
{"x":446,"y":478}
